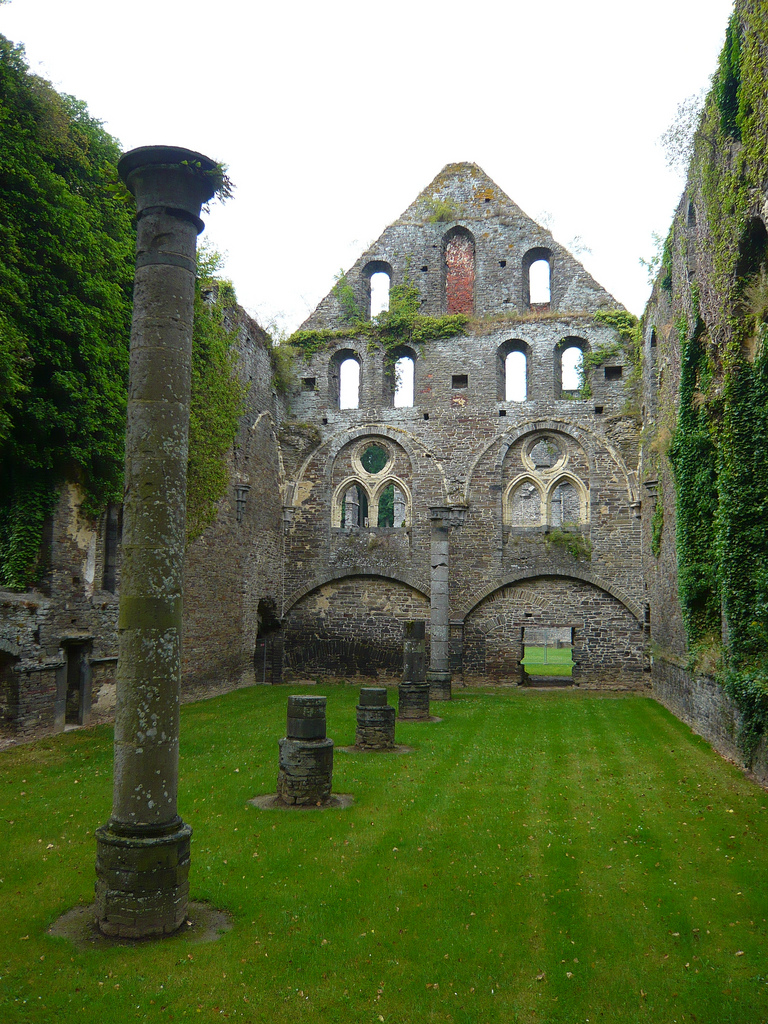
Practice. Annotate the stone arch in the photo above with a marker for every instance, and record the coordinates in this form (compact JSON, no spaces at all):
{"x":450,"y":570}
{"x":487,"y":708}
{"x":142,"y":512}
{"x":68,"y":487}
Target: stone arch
{"x":405,"y":491}
{"x":339,"y":496}
{"x":351,"y":626}
{"x":561,"y":482}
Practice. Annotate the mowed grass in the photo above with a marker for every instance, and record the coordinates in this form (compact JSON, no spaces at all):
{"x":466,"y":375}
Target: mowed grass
{"x":548,"y":661}
{"x":538,"y":857}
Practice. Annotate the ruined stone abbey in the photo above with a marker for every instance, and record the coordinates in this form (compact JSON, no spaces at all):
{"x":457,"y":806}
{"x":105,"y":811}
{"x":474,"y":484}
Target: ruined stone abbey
{"x":475,"y":462}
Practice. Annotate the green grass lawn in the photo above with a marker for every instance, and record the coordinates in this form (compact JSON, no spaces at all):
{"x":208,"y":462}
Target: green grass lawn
{"x":538,"y":857}
{"x":548,"y":661}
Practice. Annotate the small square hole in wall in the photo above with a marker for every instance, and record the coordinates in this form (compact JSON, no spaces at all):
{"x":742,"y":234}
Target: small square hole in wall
{"x":308,"y":383}
{"x":613,"y":372}
{"x":325,"y":421}
{"x":598,"y":410}
{"x":424,"y":270}
{"x":459,"y":380}
{"x":426,"y":415}
{"x":502,"y":263}
{"x":502,"y":412}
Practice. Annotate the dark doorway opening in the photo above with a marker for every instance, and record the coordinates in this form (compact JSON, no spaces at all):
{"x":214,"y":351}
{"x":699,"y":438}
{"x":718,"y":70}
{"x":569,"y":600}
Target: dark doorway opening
{"x":268,"y":654}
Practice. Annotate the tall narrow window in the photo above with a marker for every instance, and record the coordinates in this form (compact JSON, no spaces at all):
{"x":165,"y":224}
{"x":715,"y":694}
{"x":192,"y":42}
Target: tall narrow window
{"x":379,"y":293}
{"x":354,"y":507}
{"x":349,"y":384}
{"x":565,"y":506}
{"x":113,"y":528}
{"x":459,"y":271}
{"x":516,"y":377}
{"x":570,"y":362}
{"x":404,"y":379}
{"x":525,"y":505}
{"x":392,"y":505}
{"x":539,"y":283}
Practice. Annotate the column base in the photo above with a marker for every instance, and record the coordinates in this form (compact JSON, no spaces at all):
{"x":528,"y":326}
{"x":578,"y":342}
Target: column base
{"x":142,"y":882}
{"x":439,"y":685}
{"x":413,"y":702}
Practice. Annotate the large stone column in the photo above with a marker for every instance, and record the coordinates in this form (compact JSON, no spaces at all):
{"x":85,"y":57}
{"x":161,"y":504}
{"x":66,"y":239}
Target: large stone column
{"x":439,"y":673}
{"x":142,"y":853}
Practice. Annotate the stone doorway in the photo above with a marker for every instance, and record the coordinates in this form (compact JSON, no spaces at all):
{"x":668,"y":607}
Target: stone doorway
{"x":547,"y":655}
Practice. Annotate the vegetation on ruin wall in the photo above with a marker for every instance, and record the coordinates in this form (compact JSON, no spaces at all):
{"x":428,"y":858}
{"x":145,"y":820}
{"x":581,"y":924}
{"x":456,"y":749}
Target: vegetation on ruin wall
{"x":629,"y":345}
{"x":217,"y":394}
{"x":67,"y":251}
{"x":718,"y":450}
{"x":401,"y":324}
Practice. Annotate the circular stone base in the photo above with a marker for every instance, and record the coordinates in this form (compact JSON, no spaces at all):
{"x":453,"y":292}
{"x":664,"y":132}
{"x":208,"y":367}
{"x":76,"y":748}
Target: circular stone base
{"x":203,"y":924}
{"x":418,"y":721}
{"x":397,"y":749}
{"x":272,"y":802}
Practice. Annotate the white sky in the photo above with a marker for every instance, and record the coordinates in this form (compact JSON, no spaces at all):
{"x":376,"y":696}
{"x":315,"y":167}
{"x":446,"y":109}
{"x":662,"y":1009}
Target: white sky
{"x":334,"y":114}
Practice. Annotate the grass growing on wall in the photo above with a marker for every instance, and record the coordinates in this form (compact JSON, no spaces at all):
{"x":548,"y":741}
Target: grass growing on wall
{"x":544,"y":858}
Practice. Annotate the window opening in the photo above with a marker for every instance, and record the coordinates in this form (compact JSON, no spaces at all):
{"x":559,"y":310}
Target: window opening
{"x":548,"y":651}
{"x":516,"y":376}
{"x":570,"y":363}
{"x":460,"y":380}
{"x":405,"y":371}
{"x":379,"y":293}
{"x":113,"y":529}
{"x":460,"y":273}
{"x":525,"y":506}
{"x":354,"y":507}
{"x":308,"y":383}
{"x":349,"y":384}
{"x":539,"y":283}
{"x":613,"y":372}
{"x":391,"y":507}
{"x":565,"y":505}
{"x":374,"y":458}
{"x":545,"y":454}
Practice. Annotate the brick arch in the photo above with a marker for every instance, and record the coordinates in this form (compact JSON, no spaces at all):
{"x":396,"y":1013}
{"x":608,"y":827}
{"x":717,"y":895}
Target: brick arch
{"x":409,"y":579}
{"x":585,"y":576}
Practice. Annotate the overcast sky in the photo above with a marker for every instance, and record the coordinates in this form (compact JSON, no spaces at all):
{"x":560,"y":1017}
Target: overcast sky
{"x":334,"y":115}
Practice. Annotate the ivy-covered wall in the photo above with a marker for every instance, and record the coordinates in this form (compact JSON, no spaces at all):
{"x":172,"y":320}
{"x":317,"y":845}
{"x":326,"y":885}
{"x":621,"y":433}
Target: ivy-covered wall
{"x":705,"y":455}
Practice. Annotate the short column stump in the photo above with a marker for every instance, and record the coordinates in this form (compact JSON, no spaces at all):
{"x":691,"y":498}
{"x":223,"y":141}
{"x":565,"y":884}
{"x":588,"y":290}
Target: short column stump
{"x":413,"y":701}
{"x":306,"y":755}
{"x":375,"y":720}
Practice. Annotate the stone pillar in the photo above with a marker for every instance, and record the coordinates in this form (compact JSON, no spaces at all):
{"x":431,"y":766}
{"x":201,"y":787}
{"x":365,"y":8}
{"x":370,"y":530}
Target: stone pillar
{"x":413,"y":694}
{"x":399,"y":507}
{"x":143,"y":852}
{"x":439,"y":674}
{"x":306,"y":756}
{"x":351,"y":508}
{"x":375,"y":720}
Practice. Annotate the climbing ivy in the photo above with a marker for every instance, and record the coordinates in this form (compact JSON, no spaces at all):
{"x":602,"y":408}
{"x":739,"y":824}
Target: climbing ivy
{"x":718,"y":450}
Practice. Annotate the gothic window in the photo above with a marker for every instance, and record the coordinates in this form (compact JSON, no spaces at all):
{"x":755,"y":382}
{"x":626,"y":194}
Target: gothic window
{"x":564,"y":505}
{"x":405,"y":369}
{"x":524,"y":505}
{"x":569,"y":355}
{"x":354,"y":507}
{"x":377,"y":280}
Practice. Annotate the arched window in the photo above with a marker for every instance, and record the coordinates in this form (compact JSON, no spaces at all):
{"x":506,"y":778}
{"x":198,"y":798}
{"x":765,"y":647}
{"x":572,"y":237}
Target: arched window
{"x":538,"y":283}
{"x":512,"y":372}
{"x":524,"y":505}
{"x":516,"y":377}
{"x":459,"y":268}
{"x":379,"y":293}
{"x":377,"y":279}
{"x":349,"y":384}
{"x":354,"y":507}
{"x":569,"y":355}
{"x":404,"y":382}
{"x":570,"y":363}
{"x":537,"y":279}
{"x":564,"y":505}
{"x":344,"y":379}
{"x":392,"y":507}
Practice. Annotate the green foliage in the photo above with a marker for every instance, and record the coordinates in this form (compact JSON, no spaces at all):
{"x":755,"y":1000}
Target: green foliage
{"x":442,"y":211}
{"x":401,"y":324}
{"x":345,"y":295}
{"x":694,"y":459}
{"x":657,"y":528}
{"x":283,"y":358}
{"x":728,"y":80}
{"x":571,"y":540}
{"x":217,"y":395}
{"x":66,"y":274}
